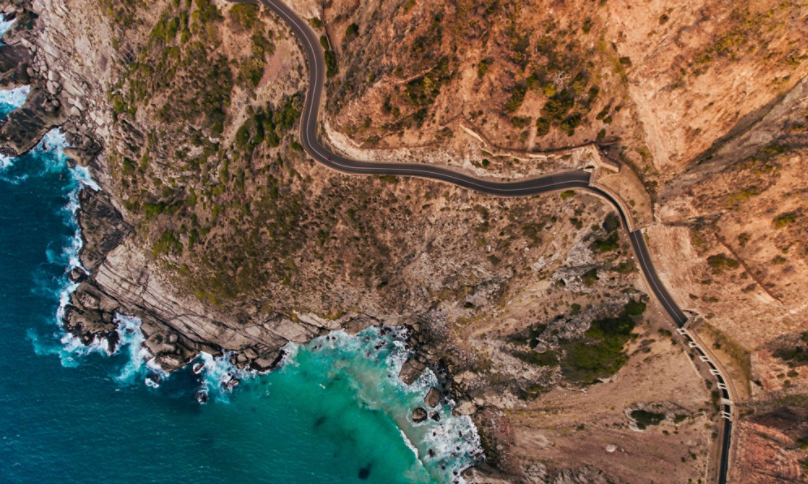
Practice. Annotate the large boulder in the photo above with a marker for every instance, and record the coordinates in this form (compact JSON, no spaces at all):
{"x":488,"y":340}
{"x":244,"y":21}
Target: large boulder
{"x":102,"y":227}
{"x":432,"y":398}
{"x":419,"y":415}
{"x":411,"y":370}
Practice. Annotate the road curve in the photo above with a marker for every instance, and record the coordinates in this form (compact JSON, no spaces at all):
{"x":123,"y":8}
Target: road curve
{"x":533,"y":186}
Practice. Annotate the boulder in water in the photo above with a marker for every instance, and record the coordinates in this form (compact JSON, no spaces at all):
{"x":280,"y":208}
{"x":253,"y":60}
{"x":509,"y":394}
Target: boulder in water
{"x":432,"y":398}
{"x":77,"y":275}
{"x":419,"y":415}
{"x":410,"y":371}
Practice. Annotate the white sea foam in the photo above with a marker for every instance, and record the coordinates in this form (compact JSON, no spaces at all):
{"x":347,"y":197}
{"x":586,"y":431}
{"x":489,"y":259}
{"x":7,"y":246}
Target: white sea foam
{"x":140,"y":363}
{"x":5,"y":25}
{"x":14,"y":97}
{"x":453,"y":441}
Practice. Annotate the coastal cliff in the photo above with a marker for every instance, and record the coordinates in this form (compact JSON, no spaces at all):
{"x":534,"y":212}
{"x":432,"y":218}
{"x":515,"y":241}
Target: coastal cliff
{"x":216,"y":230}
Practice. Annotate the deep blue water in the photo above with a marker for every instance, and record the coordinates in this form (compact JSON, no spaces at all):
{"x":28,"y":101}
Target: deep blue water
{"x":75,"y":414}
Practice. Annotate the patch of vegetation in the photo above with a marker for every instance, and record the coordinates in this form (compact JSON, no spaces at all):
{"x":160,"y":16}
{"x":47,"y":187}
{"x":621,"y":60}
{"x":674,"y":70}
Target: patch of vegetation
{"x":548,"y":358}
{"x":251,"y":70}
{"x":797,"y":354}
{"x":645,"y":418}
{"x":785,"y":219}
{"x":567,"y":194}
{"x":542,"y":126}
{"x":532,"y":231}
{"x":590,"y":278}
{"x":635,"y":308}
{"x":167,"y":243}
{"x":607,"y":245}
{"x":517,"y":98}
{"x":351,"y":32}
{"x":587,"y":26}
{"x":483,"y":66}
{"x":600,"y":353}
{"x":740,"y":356}
{"x":423,"y":90}
{"x":244,"y":16}
{"x":611,"y":223}
{"x":529,"y":336}
{"x":719,"y":262}
{"x":520,"y":121}
{"x":330,"y":63}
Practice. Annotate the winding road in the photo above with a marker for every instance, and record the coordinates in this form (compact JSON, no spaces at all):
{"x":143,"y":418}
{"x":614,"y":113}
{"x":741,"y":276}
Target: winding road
{"x":533,"y":186}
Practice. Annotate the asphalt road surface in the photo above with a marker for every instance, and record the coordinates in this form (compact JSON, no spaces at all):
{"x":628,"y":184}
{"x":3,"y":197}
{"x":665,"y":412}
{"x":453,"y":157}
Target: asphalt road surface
{"x":526,"y":187}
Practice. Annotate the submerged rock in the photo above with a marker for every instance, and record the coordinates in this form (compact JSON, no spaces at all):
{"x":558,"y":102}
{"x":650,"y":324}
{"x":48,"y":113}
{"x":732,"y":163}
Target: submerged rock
{"x":201,"y":396}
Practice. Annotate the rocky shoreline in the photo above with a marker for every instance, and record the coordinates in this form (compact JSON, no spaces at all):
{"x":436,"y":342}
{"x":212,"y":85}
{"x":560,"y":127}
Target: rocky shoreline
{"x":118,"y":279}
{"x":74,"y":81}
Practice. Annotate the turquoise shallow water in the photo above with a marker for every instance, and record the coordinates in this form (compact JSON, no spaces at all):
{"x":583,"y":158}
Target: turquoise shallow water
{"x":334,"y":413}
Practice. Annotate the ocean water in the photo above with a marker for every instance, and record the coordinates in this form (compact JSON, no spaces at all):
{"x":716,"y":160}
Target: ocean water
{"x":334,"y":413}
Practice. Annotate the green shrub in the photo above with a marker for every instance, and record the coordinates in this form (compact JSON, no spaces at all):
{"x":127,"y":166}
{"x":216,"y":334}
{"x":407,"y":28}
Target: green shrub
{"x":250,"y":71}
{"x":261,"y":45}
{"x":645,"y":418}
{"x":167,"y":243}
{"x":567,"y":194}
{"x":208,"y":11}
{"x":600,"y":353}
{"x":517,"y":98}
{"x":483,"y":66}
{"x":587,"y":26}
{"x":388,"y":179}
{"x":351,"y":32}
{"x":635,"y":308}
{"x":244,"y":15}
{"x":590,"y":278}
{"x":532,"y":230}
{"x":542,"y":126}
{"x":330,"y":63}
{"x":520,"y":121}
{"x":784,"y":219}
{"x":172,"y":28}
{"x":720,"y":262}
{"x":607,"y":245}
{"x":548,"y":358}
{"x":571,"y":122}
